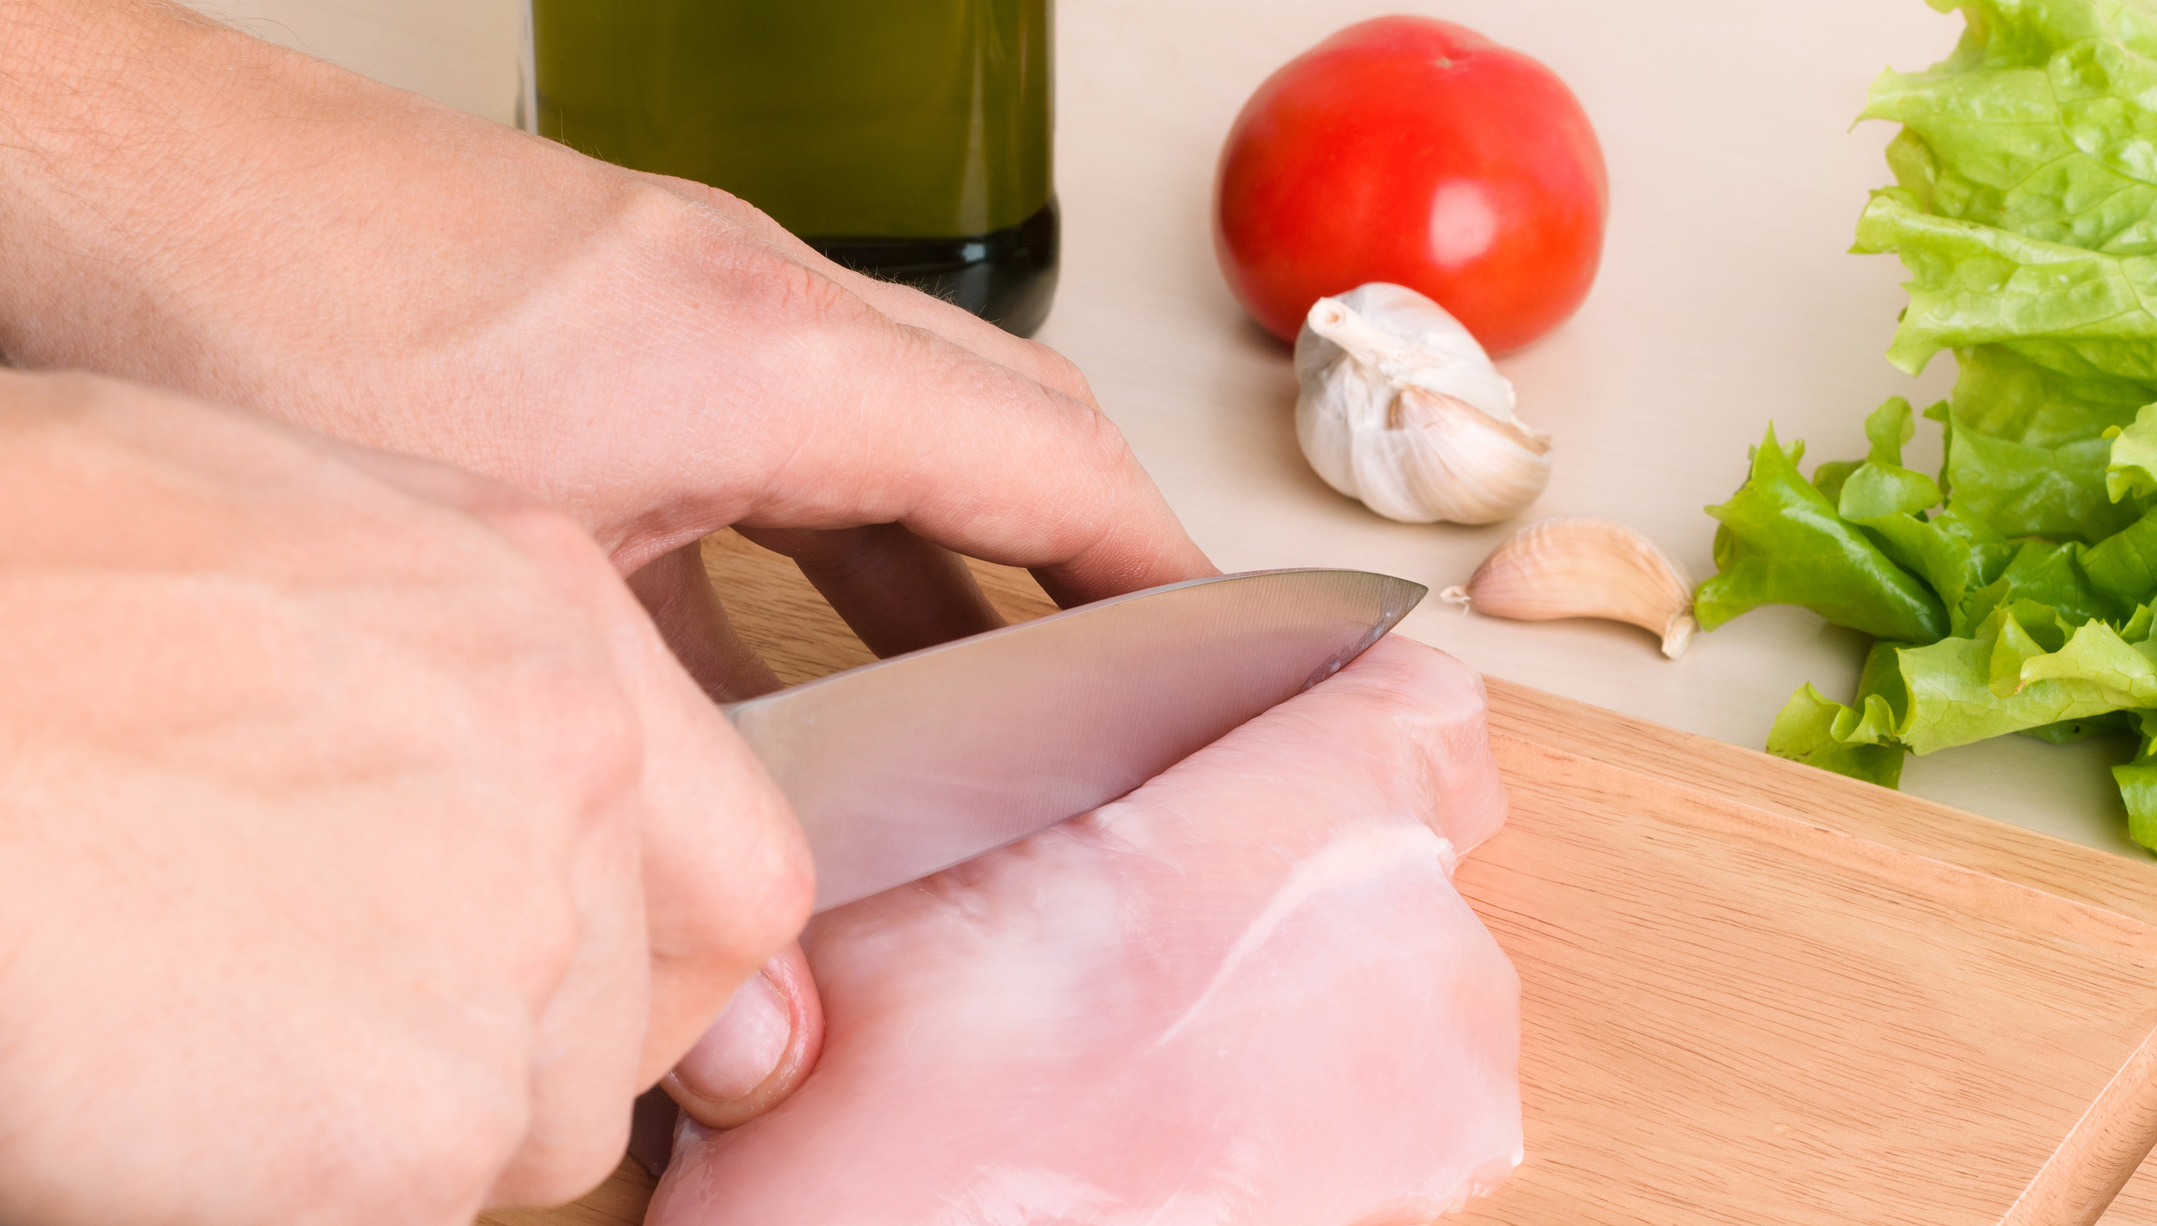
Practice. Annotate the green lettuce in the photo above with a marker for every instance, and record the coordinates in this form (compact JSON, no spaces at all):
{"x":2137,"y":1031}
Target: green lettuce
{"x":2027,"y":451}
{"x":2131,"y":460}
{"x":1783,"y":542}
{"x":2013,"y":591}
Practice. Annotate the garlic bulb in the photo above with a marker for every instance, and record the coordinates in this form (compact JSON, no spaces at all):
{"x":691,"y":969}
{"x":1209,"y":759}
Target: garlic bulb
{"x":1401,"y":409}
{"x":1581,"y":566}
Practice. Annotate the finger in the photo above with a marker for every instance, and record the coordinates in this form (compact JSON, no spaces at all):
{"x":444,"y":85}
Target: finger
{"x":902,"y":303}
{"x":759,"y":1051}
{"x":916,"y":309}
{"x":890,"y":419}
{"x":586,"y":1053}
{"x":727,"y":881}
{"x":1032,"y":393}
{"x":674,"y":589}
{"x":689,"y":882}
{"x":908,"y":428}
{"x":897,"y":591}
{"x":725,"y":877}
{"x":588,"y":1044}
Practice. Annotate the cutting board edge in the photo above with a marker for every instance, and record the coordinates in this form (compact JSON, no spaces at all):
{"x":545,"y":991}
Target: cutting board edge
{"x":1910,"y":823}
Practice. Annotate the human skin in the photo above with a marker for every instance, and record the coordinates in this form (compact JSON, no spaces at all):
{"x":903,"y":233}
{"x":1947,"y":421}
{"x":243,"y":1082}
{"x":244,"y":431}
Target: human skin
{"x":192,"y":208}
{"x":357,"y":860}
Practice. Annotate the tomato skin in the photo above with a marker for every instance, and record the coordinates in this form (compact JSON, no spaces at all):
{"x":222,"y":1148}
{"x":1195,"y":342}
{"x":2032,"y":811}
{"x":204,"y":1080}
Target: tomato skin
{"x":1415,"y":151}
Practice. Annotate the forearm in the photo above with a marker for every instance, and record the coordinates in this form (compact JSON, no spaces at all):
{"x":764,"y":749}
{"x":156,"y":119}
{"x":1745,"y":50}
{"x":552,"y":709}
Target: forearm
{"x":137,"y":142}
{"x":191,"y":207}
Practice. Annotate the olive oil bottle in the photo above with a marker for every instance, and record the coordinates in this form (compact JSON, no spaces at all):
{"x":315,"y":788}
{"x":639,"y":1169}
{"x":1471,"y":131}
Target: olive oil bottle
{"x":909,"y":139}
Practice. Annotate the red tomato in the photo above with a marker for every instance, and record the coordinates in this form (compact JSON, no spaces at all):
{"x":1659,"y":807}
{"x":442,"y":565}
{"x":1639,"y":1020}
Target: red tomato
{"x":1414,"y":151}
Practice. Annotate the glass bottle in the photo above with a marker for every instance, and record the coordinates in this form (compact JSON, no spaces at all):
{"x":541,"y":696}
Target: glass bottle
{"x":909,"y":139}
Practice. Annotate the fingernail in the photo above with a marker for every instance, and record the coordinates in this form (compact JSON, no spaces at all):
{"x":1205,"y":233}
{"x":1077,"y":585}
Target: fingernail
{"x":743,"y":1048}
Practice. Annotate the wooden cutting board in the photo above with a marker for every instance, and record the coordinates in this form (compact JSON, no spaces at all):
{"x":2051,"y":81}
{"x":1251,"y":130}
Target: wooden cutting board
{"x":1753,"y":992}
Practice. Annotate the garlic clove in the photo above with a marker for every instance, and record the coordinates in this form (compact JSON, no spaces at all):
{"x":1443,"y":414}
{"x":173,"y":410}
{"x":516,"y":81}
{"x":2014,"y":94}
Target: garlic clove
{"x":1466,"y":468}
{"x":1401,"y":409}
{"x":1584,"y":566}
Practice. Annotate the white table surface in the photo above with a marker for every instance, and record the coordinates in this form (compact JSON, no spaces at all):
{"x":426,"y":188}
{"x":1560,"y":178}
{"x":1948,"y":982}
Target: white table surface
{"x":1726,"y":299}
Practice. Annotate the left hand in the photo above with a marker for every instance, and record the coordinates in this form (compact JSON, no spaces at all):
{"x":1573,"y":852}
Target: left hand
{"x":208,"y":212}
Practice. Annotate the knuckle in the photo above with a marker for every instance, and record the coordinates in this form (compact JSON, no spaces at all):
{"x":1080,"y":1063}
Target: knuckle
{"x":553,"y":755}
{"x":1055,"y":371}
{"x":575,"y":1161}
{"x":1109,"y":450}
{"x":712,"y":203}
{"x":550,"y":936}
{"x":544,"y":535}
{"x":598,"y":744}
{"x":769,"y":283}
{"x":800,"y":292}
{"x":784,"y":882}
{"x":446,"y":1152}
{"x":558,"y":701}
{"x":468,"y":1157}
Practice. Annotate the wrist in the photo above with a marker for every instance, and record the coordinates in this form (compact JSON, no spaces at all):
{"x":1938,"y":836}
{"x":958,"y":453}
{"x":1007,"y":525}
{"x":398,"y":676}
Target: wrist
{"x":187,"y":206}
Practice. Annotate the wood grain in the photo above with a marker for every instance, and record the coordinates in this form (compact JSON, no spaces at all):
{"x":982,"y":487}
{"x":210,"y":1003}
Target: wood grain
{"x":1734,"y":1017}
{"x":1753,"y":992}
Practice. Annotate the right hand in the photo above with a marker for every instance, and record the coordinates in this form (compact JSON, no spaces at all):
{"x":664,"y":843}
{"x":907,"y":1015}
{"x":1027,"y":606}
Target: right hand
{"x":362,"y":848}
{"x":206,"y":212}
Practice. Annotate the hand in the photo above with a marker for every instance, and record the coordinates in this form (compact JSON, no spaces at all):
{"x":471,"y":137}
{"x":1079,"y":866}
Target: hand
{"x":194,"y":208}
{"x":362,"y":849}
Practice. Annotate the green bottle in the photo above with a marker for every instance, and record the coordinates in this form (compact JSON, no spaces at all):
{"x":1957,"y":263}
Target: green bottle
{"x":909,"y":139}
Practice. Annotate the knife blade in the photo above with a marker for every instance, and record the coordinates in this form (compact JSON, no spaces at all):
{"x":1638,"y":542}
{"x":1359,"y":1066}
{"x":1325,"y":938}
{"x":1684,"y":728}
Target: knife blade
{"x":910,"y":765}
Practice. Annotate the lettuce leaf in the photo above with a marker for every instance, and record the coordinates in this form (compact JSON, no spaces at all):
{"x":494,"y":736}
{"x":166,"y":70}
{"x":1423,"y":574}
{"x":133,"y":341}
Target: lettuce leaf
{"x":2131,"y":462}
{"x":2026,"y":447}
{"x":2078,"y":312}
{"x":2021,"y":672}
{"x":2138,"y":783}
{"x":2036,"y":126}
{"x":2012,"y":592}
{"x":1782,"y":542}
{"x":1858,"y":740}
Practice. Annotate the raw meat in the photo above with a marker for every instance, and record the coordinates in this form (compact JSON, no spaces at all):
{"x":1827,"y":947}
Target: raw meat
{"x":1245,"y":995}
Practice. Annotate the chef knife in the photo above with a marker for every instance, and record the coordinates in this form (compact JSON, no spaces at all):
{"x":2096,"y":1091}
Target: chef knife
{"x":909,"y":765}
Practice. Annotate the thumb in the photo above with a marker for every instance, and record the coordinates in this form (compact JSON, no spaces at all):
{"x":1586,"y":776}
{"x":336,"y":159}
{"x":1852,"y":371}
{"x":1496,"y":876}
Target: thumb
{"x":763,"y":1045}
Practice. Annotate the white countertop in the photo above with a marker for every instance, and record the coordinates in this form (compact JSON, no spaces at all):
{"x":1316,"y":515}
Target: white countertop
{"x":1726,"y":299}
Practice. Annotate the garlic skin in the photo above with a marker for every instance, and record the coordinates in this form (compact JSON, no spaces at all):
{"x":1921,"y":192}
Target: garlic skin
{"x":1401,"y":409}
{"x":1583,"y":566}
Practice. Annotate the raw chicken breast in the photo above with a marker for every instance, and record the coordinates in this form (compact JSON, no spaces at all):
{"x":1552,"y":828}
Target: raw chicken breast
{"x":1245,"y":995}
